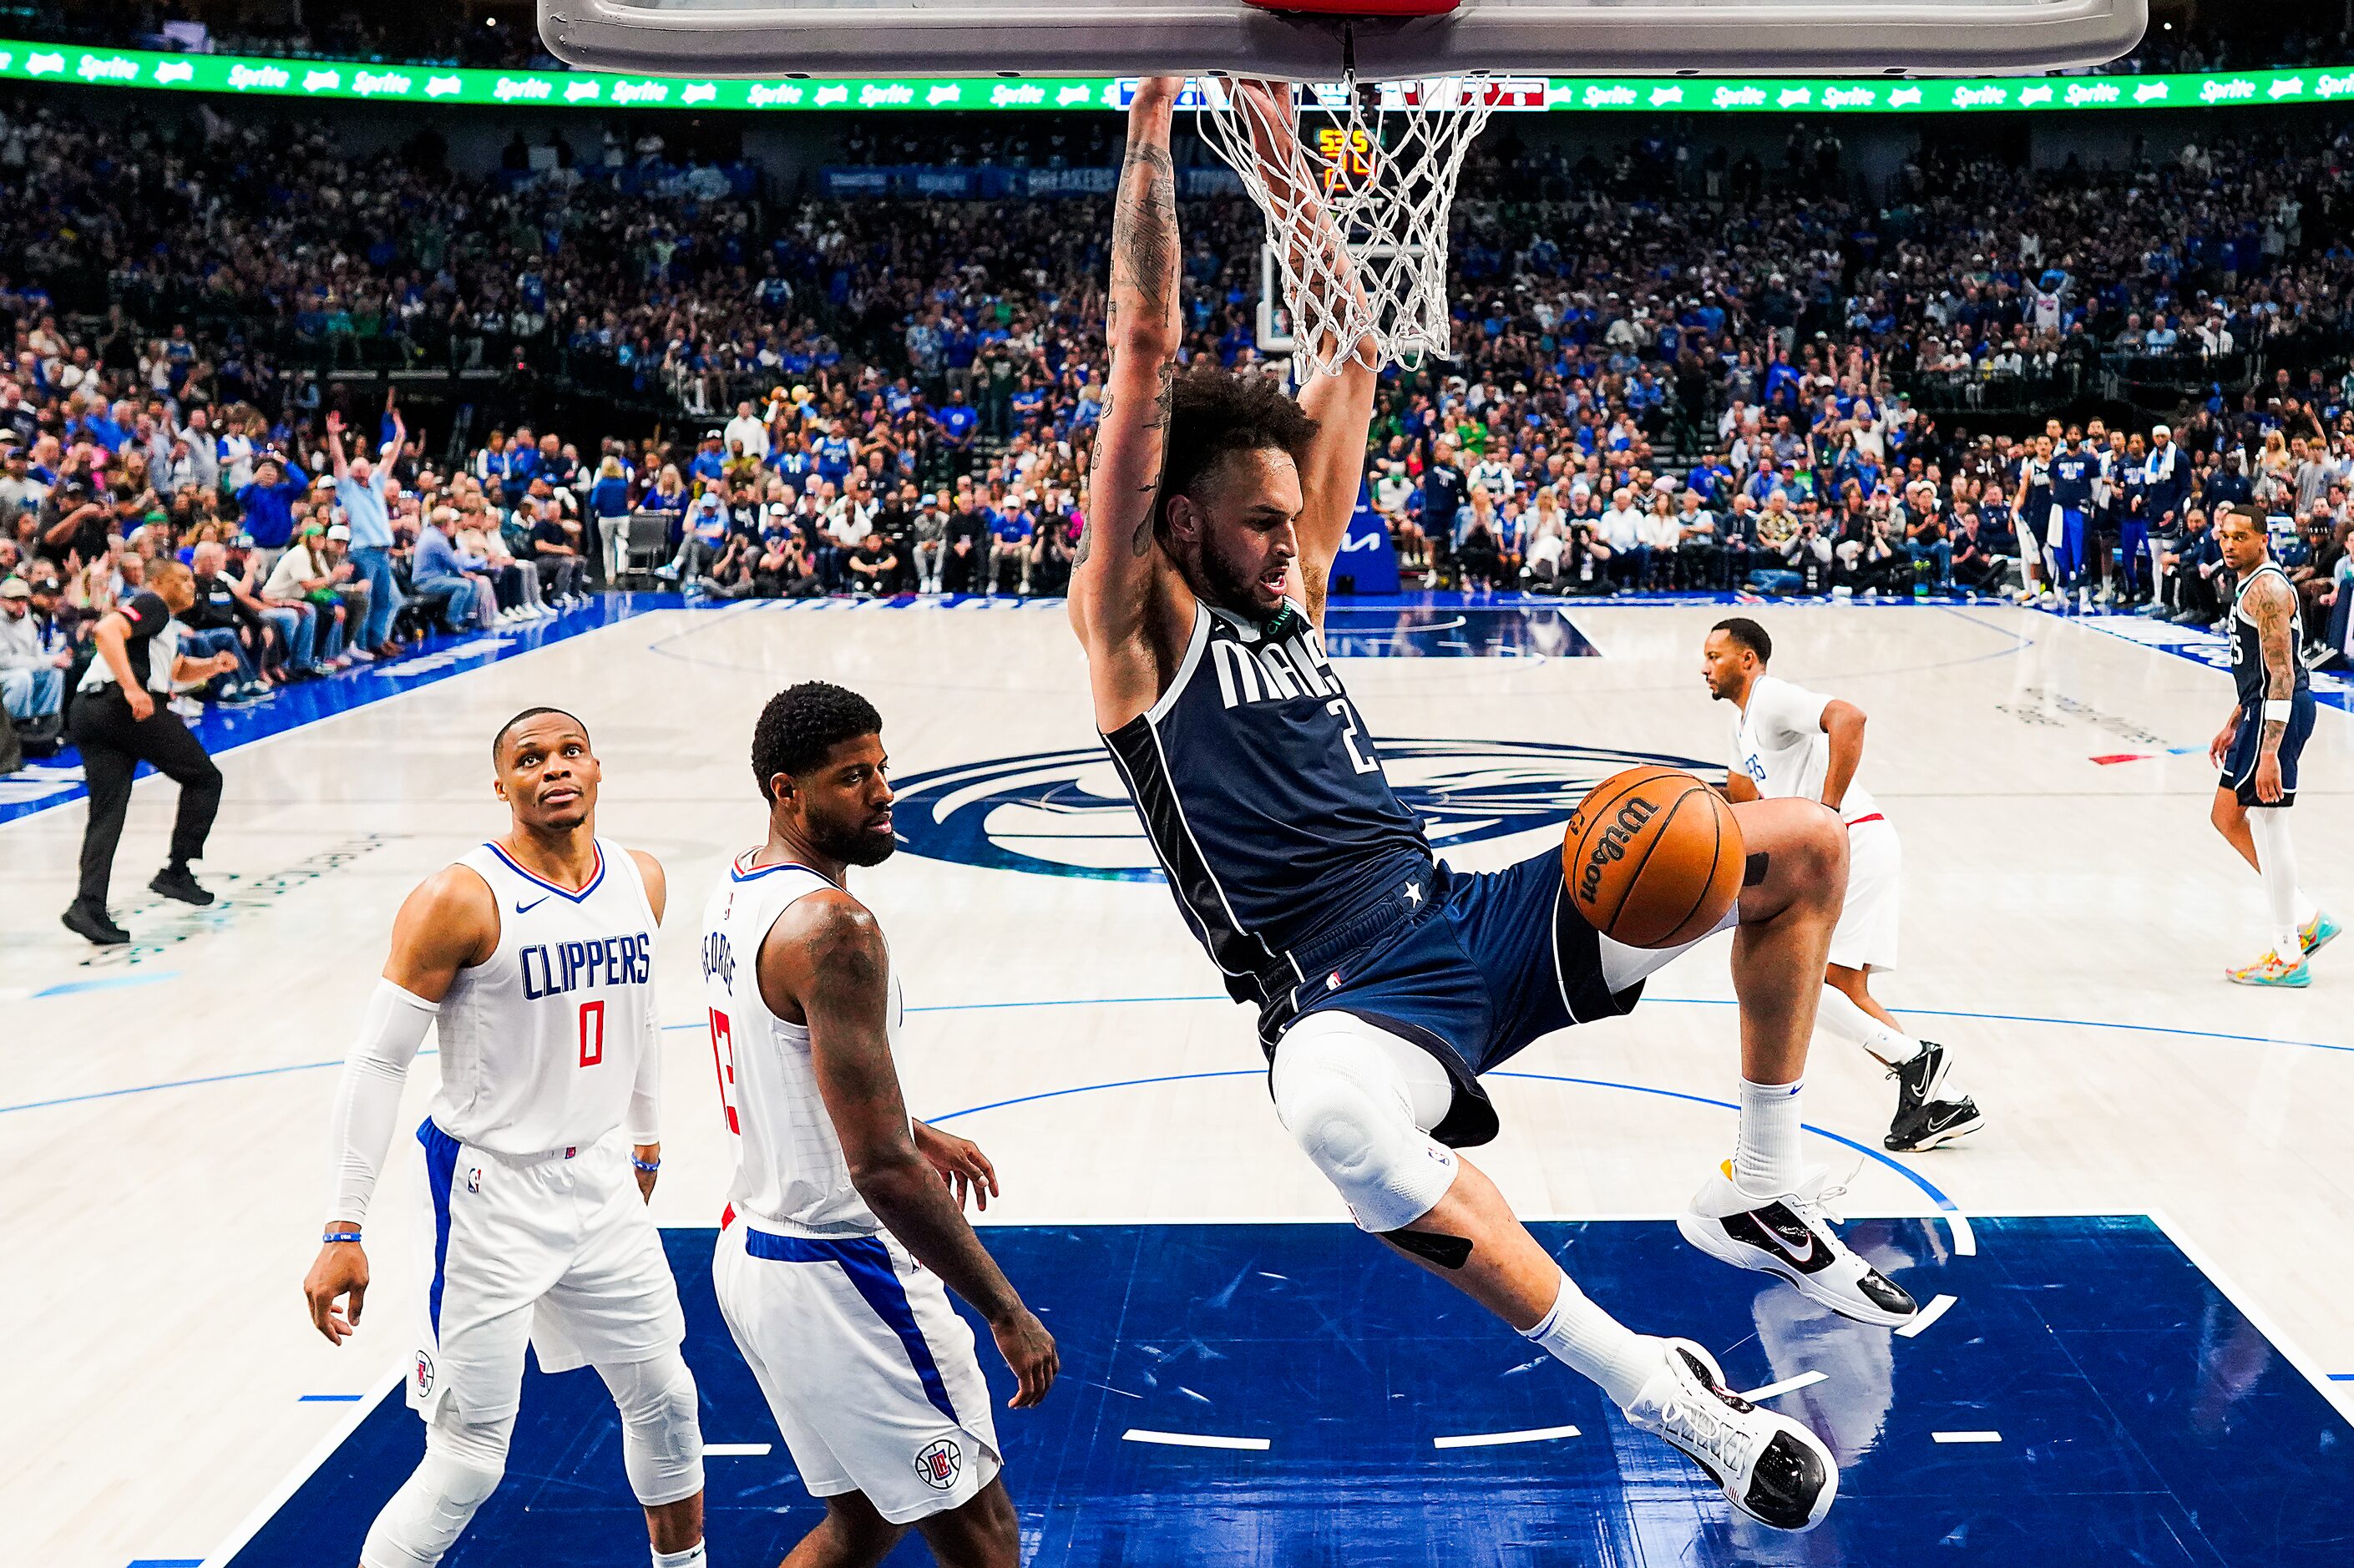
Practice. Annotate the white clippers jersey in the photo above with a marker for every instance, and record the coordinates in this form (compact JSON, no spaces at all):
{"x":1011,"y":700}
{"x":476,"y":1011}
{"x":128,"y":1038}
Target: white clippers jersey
{"x":542,"y":1045}
{"x":791,"y":1175}
{"x":1779,"y":741}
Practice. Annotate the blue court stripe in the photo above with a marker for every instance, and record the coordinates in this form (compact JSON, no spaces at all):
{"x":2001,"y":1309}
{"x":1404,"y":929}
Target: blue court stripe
{"x":440,"y":1169}
{"x":867,"y":1264}
{"x":330,"y":1399}
{"x":1929,"y":1188}
{"x":2341,"y":1377}
{"x":1145,"y":1001}
{"x":167,"y":1563}
{"x":109,"y":983}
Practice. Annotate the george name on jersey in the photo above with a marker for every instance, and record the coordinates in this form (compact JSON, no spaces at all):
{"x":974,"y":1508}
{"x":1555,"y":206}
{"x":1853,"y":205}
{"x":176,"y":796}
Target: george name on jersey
{"x":719,"y":959}
{"x":552,"y":968}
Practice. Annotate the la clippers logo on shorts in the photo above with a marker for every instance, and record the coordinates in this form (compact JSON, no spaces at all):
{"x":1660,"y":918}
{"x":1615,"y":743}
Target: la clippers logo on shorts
{"x":940,"y":1464}
{"x":424,"y":1375}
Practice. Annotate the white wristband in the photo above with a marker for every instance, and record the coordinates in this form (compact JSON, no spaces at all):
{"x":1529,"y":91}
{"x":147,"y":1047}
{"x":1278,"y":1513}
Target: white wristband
{"x":2278,"y":709}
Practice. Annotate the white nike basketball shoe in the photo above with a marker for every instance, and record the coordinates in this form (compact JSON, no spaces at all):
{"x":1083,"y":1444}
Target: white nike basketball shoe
{"x":1790,"y":1235}
{"x":1771,"y":1467}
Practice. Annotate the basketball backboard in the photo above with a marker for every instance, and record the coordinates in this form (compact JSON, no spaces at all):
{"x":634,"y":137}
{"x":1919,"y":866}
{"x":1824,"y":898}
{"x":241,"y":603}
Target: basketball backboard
{"x":795,"y":39}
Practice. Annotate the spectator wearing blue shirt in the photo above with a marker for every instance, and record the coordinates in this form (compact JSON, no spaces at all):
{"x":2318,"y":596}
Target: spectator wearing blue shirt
{"x":958,"y":421}
{"x":609,"y":502}
{"x":268,"y":506}
{"x":360,"y":491}
{"x":441,"y":574}
{"x":709,"y":463}
{"x":1011,"y":527}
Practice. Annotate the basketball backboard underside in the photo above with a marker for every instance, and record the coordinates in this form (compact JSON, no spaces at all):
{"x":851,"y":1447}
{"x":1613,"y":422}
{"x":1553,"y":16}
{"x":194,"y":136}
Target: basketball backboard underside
{"x":794,"y":38}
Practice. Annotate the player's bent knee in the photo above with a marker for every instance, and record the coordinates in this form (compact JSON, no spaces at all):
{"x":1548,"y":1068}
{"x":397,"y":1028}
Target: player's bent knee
{"x":1339,"y":1098}
{"x":662,"y":1429}
{"x":463,"y":1462}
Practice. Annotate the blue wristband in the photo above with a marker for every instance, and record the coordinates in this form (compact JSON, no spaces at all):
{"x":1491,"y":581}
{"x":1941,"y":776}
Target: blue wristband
{"x":648,"y":1166}
{"x":340,"y":1236}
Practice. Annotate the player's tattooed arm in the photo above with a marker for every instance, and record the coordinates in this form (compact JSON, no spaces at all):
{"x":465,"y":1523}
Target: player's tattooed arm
{"x":2274,"y":604}
{"x":825,"y":958}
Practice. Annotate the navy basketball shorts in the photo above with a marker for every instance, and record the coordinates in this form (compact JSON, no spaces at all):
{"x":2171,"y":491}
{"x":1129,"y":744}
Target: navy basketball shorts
{"x":2247,"y":748}
{"x":1481,"y":965}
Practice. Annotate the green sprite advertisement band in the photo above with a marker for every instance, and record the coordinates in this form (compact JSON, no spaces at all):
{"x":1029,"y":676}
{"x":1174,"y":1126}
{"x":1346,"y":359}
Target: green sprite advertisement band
{"x":584,"y":89}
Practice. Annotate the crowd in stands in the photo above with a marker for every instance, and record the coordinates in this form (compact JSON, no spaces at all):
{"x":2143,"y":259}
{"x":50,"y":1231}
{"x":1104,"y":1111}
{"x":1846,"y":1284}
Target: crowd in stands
{"x":1675,"y":369}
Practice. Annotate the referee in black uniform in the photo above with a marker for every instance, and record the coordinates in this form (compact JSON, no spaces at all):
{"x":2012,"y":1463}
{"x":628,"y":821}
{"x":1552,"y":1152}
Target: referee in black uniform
{"x":118,"y":723}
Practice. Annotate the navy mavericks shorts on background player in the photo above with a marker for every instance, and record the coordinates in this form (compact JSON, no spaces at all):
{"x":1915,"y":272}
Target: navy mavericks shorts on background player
{"x":2247,"y":747}
{"x":1470,"y":966}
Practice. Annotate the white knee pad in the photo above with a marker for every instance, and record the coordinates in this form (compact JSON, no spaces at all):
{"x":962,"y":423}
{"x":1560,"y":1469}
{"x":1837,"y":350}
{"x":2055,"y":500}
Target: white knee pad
{"x":661,"y":1433}
{"x":1347,"y":1092}
{"x":463,"y":1463}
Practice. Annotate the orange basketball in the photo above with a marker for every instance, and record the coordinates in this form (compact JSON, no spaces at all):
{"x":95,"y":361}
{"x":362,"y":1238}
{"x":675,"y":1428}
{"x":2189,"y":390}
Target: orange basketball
{"x":1652,"y":857}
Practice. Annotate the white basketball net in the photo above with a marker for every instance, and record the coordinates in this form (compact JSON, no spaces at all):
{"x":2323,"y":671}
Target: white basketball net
{"x":1355,"y":179}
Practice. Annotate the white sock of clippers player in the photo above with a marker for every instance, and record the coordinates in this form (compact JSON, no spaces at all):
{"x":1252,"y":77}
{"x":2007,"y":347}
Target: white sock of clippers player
{"x":1839,"y":1013}
{"x":2285,"y":904}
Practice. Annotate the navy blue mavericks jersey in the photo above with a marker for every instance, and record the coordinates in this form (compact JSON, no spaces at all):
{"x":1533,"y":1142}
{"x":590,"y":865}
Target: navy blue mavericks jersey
{"x":2248,"y":646}
{"x":2038,"y":474}
{"x":1265,"y":800}
{"x":2072,"y":482}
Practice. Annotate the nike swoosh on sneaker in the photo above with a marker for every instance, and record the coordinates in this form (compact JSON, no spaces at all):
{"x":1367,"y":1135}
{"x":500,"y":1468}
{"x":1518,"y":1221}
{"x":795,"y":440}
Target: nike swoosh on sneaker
{"x":1804,"y":1258}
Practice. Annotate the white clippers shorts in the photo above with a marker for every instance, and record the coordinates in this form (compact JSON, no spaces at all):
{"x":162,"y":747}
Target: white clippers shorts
{"x":556,"y":1250}
{"x":870,"y":1373}
{"x":1865,"y":936}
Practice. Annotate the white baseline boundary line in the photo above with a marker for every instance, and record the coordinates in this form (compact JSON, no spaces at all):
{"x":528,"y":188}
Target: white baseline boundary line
{"x":1195,"y":1440}
{"x":268,"y":1507}
{"x":372,"y":705}
{"x":2307,"y":1367}
{"x":1498,"y":1439}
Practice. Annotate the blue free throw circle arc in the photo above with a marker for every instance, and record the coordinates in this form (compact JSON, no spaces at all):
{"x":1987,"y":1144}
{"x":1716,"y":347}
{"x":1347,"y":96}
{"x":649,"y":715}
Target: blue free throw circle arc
{"x":1065,"y":814}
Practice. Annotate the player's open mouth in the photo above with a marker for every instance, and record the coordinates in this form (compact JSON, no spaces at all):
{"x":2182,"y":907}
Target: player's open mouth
{"x":1273,"y":581}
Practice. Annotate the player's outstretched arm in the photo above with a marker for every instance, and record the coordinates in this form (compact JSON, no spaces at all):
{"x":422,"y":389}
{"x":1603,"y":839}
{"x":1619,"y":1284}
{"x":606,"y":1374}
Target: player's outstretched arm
{"x":826,"y":957}
{"x":1113,"y":575}
{"x":1341,"y":403}
{"x":450,"y":923}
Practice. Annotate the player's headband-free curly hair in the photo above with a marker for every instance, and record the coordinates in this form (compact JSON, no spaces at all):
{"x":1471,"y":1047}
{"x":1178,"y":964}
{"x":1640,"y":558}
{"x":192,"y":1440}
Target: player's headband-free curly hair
{"x":800,"y":727}
{"x":1215,"y":414}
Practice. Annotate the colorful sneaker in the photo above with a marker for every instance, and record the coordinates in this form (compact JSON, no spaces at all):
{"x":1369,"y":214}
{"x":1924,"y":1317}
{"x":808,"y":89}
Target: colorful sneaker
{"x":2273,"y":970}
{"x":2318,"y":933}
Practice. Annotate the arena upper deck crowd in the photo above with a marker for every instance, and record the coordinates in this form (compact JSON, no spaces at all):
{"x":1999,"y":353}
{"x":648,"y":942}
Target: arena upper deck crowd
{"x":1676,"y":369}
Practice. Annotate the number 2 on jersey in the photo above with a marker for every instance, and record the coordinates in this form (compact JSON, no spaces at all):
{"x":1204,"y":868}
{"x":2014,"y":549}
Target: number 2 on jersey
{"x":723,"y":1058}
{"x":1339,"y":708}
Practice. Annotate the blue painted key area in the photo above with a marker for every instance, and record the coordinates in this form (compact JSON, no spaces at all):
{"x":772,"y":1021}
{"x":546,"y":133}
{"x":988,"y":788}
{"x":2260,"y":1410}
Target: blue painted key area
{"x":2138,"y":1417}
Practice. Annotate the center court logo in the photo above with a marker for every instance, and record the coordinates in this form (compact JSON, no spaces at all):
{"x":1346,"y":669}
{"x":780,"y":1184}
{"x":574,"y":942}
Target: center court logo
{"x":1065,"y":813}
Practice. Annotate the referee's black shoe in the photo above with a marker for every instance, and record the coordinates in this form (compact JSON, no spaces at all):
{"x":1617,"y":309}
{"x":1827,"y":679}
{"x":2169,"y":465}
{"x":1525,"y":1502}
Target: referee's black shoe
{"x":174,"y":882}
{"x":1924,"y":1119}
{"x":92,"y":924}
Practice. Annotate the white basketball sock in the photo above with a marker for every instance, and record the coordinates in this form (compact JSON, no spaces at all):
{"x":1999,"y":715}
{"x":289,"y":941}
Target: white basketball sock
{"x":1596,"y":1345}
{"x":2277,"y":863}
{"x":693,"y":1557}
{"x":1839,"y":1013}
{"x":1766,"y":1160}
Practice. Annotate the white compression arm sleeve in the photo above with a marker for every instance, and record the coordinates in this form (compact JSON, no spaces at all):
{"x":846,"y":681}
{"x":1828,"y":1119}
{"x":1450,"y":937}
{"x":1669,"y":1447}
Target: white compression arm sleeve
{"x":644,"y":1119}
{"x":367,"y":1097}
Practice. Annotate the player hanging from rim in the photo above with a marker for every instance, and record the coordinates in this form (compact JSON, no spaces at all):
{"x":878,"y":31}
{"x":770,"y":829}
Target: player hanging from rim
{"x":844,"y":1231}
{"x":1791,"y":742}
{"x":2259,"y":746}
{"x":1387,"y":983}
{"x":533,"y":959}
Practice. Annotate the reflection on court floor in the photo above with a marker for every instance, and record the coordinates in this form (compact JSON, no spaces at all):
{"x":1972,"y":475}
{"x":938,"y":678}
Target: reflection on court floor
{"x":1452,"y":625}
{"x":1289,"y":1394}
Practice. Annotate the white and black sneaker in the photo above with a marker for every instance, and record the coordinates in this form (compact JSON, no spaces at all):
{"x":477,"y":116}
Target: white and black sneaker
{"x":1925,"y":1116}
{"x":1790,"y":1235}
{"x":1772,"y":1468}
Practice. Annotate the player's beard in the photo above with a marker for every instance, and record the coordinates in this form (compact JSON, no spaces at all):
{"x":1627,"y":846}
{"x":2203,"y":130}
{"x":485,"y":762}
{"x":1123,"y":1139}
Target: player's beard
{"x":1228,"y":584}
{"x":854,"y":844}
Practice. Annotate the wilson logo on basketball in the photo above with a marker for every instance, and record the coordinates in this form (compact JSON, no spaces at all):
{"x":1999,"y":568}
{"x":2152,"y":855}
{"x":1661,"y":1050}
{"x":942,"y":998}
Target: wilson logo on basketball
{"x":1611,"y":845}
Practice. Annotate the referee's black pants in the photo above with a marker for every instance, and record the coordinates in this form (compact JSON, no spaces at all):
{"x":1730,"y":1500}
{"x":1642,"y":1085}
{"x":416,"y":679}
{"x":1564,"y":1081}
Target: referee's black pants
{"x":112,"y":745}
